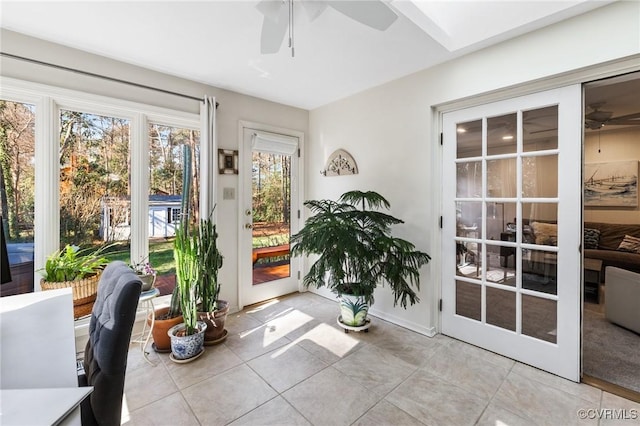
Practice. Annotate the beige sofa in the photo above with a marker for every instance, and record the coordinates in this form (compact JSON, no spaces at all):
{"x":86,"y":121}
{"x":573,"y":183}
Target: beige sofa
{"x":622,"y":299}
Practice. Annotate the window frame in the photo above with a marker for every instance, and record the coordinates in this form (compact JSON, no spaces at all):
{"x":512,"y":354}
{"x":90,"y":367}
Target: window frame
{"x":48,"y":102}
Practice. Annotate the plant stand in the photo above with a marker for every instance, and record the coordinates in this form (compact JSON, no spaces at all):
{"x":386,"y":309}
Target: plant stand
{"x":348,"y":328}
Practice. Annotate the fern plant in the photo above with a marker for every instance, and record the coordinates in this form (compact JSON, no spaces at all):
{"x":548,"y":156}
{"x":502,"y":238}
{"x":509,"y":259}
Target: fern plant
{"x":356,"y":251}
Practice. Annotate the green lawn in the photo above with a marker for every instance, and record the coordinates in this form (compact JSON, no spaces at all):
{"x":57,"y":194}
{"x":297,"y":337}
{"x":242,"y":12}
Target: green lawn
{"x":160,"y":255}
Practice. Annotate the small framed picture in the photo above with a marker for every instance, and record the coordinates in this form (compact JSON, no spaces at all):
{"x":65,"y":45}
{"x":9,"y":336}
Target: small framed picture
{"x":227,"y":162}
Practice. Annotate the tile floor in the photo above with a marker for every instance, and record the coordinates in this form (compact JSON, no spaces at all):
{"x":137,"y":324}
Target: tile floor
{"x":288,"y":363}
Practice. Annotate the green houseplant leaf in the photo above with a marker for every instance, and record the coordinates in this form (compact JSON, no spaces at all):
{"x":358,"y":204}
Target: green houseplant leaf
{"x":355,"y":249}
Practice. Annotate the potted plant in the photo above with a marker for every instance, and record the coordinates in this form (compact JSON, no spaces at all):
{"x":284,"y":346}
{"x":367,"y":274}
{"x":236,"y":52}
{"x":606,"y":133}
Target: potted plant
{"x":187,"y":338}
{"x":146,"y":273}
{"x":76,"y":268}
{"x":211,"y":310}
{"x":356,"y":253}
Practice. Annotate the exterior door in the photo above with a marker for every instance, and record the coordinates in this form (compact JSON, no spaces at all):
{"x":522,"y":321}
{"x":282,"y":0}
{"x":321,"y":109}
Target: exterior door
{"x":511,"y":228}
{"x":269,"y":215}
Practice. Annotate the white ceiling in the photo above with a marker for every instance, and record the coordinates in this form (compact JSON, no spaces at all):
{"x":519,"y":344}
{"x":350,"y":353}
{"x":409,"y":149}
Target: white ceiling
{"x":218,"y":42}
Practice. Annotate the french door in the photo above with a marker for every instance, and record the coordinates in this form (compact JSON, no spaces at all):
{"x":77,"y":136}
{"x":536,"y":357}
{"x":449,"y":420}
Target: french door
{"x":269,"y":215}
{"x":511,"y":228}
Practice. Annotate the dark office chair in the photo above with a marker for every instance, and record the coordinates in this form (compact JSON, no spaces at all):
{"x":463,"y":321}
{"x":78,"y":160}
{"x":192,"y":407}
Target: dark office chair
{"x":105,"y":356}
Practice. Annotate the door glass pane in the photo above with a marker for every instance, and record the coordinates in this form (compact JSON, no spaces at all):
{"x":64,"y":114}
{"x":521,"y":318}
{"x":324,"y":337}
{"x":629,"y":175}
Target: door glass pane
{"x":94,"y":180}
{"x":271,"y":194}
{"x":17,"y":150}
{"x":469,"y":139}
{"x":501,"y":308}
{"x":539,"y":271}
{"x":469,"y":180}
{"x":540,"y":176}
{"x":501,"y":134}
{"x":169,"y":165}
{"x":468,"y":300}
{"x":539,"y":318}
{"x":501,"y":178}
{"x":540,"y":129}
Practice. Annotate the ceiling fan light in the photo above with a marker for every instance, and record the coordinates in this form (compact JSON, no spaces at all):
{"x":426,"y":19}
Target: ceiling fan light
{"x":507,"y":137}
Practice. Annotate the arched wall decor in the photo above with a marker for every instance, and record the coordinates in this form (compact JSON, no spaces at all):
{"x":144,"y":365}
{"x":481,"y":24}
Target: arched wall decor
{"x":340,"y":163}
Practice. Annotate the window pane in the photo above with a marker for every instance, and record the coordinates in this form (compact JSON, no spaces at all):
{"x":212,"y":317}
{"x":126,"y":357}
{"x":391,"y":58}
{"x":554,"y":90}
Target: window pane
{"x":468,"y":300}
{"x":271,"y":199}
{"x":539,"y":271}
{"x":501,"y":134}
{"x":539,"y":318}
{"x":94,"y":180}
{"x":169,"y":164}
{"x":469,"y":180}
{"x":540,"y":129}
{"x":501,"y":308}
{"x":17,"y":182}
{"x":501,"y":178}
{"x":540,"y":176}
{"x":469,"y":139}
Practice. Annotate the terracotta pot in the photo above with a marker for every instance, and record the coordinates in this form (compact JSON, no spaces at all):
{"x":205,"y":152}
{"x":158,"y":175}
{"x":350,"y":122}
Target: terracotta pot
{"x":161,"y":340}
{"x":215,"y":322}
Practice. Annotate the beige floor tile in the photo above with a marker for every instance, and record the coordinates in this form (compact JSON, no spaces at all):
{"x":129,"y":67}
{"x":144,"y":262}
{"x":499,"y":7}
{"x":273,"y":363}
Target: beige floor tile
{"x":434,"y":401}
{"x":135,"y":358}
{"x":305,"y":299}
{"x":276,"y":412}
{"x":252,"y":343}
{"x":328,"y":343}
{"x":540,"y":403}
{"x":214,"y":360}
{"x":617,"y":411}
{"x":487,"y":356}
{"x":330,"y":398}
{"x":227,"y":396}
{"x":469,"y":372}
{"x":171,"y":410}
{"x":495,"y":415}
{"x":376,"y":369}
{"x":386,"y":414}
{"x":580,"y":390}
{"x":147,"y":384}
{"x":267,"y":311}
{"x":286,"y":366}
{"x":407,"y":345}
{"x":239,"y":322}
{"x":290,"y":324}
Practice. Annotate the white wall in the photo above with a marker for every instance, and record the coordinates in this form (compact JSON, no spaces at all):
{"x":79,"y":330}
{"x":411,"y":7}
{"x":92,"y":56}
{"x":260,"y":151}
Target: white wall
{"x":392,"y":132}
{"x":233,"y":107}
{"x":614,"y":145}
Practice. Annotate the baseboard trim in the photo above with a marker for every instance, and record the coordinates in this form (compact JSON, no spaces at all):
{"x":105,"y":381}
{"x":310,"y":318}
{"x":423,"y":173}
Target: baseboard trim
{"x":611,"y":388}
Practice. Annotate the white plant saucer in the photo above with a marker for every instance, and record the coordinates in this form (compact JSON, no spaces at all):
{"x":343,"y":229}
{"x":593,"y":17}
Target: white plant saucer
{"x":348,"y":328}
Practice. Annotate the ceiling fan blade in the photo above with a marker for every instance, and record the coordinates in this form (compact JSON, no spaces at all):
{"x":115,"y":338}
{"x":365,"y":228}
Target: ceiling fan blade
{"x":274,"y":25}
{"x":314,"y":8}
{"x":618,"y":122}
{"x":375,"y":13}
{"x":626,"y":117}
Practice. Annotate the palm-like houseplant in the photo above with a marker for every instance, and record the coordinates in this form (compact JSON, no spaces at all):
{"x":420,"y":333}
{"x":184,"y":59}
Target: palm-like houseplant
{"x":356,"y":253}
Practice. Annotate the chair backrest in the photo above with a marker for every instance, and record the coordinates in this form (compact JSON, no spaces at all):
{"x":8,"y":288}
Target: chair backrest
{"x":105,"y":357}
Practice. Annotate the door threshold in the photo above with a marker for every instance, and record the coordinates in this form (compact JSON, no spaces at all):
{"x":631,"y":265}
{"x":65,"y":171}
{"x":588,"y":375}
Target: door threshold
{"x":611,"y":388}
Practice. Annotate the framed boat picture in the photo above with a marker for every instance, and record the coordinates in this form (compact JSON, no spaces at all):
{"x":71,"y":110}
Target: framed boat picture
{"x":611,"y":184}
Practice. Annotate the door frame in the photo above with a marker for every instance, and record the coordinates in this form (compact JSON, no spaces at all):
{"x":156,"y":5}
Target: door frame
{"x":577,"y":76}
{"x":242,"y":181}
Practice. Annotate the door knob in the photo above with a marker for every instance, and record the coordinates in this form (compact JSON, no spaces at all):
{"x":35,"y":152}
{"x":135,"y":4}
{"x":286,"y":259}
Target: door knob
{"x":248,"y":226}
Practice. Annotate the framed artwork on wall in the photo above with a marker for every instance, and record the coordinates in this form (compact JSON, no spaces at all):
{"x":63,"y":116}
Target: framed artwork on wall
{"x":227,"y":162}
{"x":611,"y":184}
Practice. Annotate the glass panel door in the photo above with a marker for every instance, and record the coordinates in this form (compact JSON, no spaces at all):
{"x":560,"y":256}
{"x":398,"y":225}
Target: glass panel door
{"x":513,"y":284}
{"x":270,"y":215}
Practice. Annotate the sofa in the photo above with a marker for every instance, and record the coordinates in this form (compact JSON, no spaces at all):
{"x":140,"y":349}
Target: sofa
{"x":622,"y":304}
{"x":611,"y":235}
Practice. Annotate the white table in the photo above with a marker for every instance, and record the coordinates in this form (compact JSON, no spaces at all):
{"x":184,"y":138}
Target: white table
{"x":146,"y":298}
{"x":52,"y":406}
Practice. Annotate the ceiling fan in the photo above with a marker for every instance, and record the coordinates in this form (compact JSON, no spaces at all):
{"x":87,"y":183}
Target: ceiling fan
{"x":278,"y":16}
{"x":598,"y":118}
